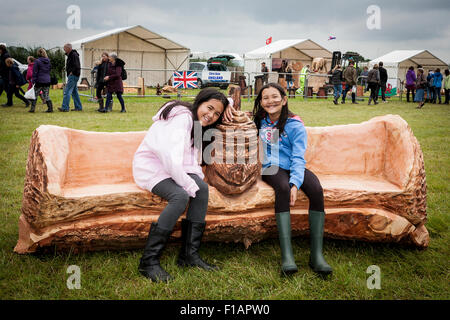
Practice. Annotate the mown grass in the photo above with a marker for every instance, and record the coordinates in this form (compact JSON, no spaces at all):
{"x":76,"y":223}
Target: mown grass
{"x":406,"y":273}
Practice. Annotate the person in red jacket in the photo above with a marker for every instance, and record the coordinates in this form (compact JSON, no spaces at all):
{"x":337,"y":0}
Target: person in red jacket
{"x":114,"y":82}
{"x":29,"y":77}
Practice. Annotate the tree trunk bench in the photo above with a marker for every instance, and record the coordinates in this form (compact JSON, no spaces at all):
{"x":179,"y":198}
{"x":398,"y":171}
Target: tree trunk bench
{"x":79,"y":191}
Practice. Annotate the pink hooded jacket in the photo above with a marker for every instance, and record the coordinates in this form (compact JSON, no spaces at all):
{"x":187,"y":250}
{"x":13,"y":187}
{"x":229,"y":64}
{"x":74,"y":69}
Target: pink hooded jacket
{"x":29,"y":77}
{"x":167,"y":152}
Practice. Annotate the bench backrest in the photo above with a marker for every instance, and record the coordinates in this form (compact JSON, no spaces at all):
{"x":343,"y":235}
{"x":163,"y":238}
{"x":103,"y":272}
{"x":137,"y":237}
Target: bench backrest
{"x":381,"y":147}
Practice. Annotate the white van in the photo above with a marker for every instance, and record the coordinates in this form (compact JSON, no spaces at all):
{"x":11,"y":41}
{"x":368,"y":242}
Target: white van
{"x":212,"y":74}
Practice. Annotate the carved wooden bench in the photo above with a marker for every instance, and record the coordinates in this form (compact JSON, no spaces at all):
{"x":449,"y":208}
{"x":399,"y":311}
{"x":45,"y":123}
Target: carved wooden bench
{"x":79,"y":191}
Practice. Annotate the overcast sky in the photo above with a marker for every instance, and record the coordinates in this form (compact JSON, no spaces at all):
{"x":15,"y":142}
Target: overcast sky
{"x":240,"y":25}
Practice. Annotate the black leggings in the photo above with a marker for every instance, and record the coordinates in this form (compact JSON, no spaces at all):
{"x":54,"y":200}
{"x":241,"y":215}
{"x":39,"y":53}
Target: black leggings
{"x":99,"y":90}
{"x":109,"y":98}
{"x":374,"y":91}
{"x":311,"y":187}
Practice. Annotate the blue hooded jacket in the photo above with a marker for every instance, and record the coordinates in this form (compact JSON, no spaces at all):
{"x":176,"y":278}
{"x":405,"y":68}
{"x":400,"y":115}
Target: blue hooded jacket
{"x":289,"y":151}
{"x":437,"y":80}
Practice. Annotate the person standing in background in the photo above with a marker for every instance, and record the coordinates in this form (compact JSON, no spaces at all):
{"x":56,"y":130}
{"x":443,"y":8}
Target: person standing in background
{"x":73,"y":70}
{"x":437,"y":82}
{"x":364,"y":75}
{"x":430,"y":86}
{"x":421,"y":84}
{"x":383,"y":80}
{"x":100,"y":84}
{"x":4,"y":71}
{"x":114,"y":82}
{"x":410,"y":83}
{"x":265,"y":70}
{"x":447,"y":86}
{"x":374,"y":84}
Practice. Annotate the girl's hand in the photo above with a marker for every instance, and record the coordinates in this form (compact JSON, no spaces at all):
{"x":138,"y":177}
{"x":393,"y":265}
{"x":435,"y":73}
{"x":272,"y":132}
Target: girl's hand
{"x":294,"y":191}
{"x":106,"y":78}
{"x":228,"y":114}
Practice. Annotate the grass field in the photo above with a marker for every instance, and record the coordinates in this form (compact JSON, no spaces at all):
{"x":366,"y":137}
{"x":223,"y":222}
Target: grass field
{"x":406,"y":273}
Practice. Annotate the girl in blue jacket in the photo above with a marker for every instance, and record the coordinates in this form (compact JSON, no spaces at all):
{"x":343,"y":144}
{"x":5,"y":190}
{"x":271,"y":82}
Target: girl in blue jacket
{"x":284,"y":141}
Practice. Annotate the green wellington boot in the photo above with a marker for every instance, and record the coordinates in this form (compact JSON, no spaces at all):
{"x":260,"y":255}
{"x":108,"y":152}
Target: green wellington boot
{"x":288,"y":265}
{"x":316,"y":260}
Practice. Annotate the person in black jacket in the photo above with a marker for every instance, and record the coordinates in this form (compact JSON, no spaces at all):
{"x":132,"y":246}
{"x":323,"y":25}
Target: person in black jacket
{"x":4,"y":73}
{"x":100,"y":83}
{"x":16,"y":80}
{"x":336,"y":81}
{"x":73,"y":74}
{"x":383,"y":80}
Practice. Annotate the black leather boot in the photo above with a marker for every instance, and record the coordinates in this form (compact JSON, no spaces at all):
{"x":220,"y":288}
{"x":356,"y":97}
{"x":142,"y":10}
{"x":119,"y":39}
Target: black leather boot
{"x":101,"y":106}
{"x":49,"y":107}
{"x":149,"y":265}
{"x":191,"y":237}
{"x":33,"y":106}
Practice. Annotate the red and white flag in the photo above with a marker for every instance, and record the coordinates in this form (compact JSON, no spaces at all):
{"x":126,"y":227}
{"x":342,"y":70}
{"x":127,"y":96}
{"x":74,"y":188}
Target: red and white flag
{"x":269,"y":40}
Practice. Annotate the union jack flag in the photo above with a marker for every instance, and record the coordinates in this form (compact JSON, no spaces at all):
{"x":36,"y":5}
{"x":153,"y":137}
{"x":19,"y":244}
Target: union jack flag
{"x":185,"y":79}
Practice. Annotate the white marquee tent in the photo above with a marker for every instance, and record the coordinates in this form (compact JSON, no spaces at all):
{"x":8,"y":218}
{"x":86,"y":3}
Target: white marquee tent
{"x":302,"y":50}
{"x":397,"y":63}
{"x":140,"y":48}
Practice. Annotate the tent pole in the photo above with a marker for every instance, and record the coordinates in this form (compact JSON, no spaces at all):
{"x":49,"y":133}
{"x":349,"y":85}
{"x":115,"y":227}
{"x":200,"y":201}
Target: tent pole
{"x":165,"y":65}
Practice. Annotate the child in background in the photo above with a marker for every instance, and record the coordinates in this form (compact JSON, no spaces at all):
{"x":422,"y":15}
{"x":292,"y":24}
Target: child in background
{"x":166,"y":164}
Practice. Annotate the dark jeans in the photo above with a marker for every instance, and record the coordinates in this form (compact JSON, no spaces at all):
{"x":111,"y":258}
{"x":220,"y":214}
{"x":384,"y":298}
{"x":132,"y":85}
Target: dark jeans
{"x":447,"y":96}
{"x":373,"y":91}
{"x":280,"y":183}
{"x":437,"y":94}
{"x":178,"y":199}
{"x":383,"y":91}
{"x":408,"y":90}
{"x":119,"y":97}
{"x":98,"y":92}
{"x":13,"y":90}
{"x":430,"y":94}
{"x":3,"y":86}
{"x":346,"y":90}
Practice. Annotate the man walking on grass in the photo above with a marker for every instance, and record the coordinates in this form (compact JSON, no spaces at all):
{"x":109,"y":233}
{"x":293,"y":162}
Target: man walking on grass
{"x":73,"y":74}
{"x":350,"y":75}
{"x":383,"y":81}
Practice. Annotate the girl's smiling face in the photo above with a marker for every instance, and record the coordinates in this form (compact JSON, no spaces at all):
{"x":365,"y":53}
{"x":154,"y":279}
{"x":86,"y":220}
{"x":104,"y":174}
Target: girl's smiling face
{"x":209,"y":112}
{"x":272,"y":102}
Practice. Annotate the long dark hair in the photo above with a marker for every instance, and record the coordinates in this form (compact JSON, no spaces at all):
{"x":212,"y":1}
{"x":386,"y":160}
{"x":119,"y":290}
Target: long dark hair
{"x":259,"y":113}
{"x":203,"y":96}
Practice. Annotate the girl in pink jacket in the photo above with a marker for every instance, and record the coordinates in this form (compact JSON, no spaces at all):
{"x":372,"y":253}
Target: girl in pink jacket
{"x":29,"y":76}
{"x":167,"y":164}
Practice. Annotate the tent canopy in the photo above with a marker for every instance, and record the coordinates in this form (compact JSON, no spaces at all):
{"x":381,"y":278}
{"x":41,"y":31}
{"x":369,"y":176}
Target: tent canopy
{"x":299,"y":50}
{"x":146,"y":54}
{"x":306,"y":46}
{"x":137,"y":31}
{"x":410,"y":57}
